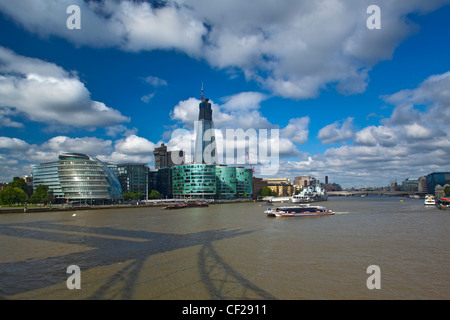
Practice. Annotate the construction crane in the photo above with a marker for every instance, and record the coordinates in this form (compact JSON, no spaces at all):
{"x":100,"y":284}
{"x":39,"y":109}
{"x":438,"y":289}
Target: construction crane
{"x":253,"y":169}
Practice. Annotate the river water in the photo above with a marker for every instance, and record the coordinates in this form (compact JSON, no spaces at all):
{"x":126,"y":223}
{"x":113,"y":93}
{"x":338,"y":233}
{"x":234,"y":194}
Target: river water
{"x":229,"y":251}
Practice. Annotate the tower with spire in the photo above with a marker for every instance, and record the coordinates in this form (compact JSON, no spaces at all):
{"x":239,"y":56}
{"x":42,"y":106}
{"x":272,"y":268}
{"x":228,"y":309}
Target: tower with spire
{"x":205,"y":141}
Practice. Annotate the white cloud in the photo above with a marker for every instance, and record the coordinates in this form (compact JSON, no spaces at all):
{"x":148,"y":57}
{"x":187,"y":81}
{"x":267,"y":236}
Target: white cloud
{"x":13,"y":144}
{"x":413,"y":141}
{"x":337,"y":131}
{"x":44,"y":92}
{"x":134,"y":145}
{"x":297,"y":130}
{"x":155,"y":81}
{"x":293,"y":48}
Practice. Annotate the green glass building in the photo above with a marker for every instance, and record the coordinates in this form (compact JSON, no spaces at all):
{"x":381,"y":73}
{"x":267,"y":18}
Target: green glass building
{"x":209,"y":181}
{"x":226,"y":182}
{"x":244,"y":182}
{"x":194,"y":180}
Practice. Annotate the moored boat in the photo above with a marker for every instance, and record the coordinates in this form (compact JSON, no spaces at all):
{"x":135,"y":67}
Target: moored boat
{"x":186,"y":205}
{"x":443,"y":203}
{"x":298,"y":211}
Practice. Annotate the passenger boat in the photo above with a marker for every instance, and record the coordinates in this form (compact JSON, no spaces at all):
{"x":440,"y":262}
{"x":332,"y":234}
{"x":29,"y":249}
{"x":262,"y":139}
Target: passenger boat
{"x":429,"y":200}
{"x":299,"y":211}
{"x":443,"y":203}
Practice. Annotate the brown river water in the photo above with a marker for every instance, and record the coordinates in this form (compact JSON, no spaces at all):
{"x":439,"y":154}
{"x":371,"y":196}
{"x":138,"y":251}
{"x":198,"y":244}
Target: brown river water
{"x":229,"y":251}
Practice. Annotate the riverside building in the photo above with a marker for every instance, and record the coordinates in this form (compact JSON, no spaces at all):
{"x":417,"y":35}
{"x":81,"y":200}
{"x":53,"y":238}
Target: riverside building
{"x":204,"y":178}
{"x":79,"y":178}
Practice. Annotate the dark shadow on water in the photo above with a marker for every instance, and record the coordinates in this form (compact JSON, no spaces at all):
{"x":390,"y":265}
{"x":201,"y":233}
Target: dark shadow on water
{"x":110,"y":246}
{"x":222,"y":281}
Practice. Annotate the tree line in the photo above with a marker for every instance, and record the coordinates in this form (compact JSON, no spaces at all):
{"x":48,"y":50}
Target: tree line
{"x":18,"y":192}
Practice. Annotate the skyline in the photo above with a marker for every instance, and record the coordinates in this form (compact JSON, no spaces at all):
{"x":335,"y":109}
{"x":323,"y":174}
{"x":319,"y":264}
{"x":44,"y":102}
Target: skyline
{"x":360,"y":106}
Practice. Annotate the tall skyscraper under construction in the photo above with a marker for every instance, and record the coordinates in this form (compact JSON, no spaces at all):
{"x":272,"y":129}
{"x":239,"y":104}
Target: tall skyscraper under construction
{"x":205,"y":141}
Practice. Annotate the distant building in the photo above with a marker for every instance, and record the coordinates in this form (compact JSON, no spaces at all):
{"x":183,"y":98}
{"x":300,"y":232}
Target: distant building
{"x":410,"y":185}
{"x":437,"y":178}
{"x":422,"y":187}
{"x":164,"y":158}
{"x":133,"y":177}
{"x":258,"y":184}
{"x":205,"y":140}
{"x":304,"y":181}
{"x":78,"y":177}
{"x":393,"y":185}
{"x":281,"y":186}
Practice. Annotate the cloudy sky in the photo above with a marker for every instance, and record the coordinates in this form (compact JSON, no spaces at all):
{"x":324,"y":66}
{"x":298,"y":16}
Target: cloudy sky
{"x":362,"y":106}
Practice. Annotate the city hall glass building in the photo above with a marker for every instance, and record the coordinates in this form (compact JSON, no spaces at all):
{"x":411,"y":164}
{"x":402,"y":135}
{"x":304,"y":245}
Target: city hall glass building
{"x":79,"y":177}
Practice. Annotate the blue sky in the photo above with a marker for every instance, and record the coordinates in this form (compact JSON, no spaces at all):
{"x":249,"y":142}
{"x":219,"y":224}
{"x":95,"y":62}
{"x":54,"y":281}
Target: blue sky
{"x":362,"y":106}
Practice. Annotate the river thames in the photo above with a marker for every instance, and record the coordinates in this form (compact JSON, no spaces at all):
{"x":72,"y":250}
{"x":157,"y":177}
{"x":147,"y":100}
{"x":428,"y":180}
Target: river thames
{"x":229,"y":251}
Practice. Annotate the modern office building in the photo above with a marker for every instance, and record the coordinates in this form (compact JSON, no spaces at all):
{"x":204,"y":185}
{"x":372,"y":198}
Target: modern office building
{"x":47,"y":174}
{"x":207,"y":181}
{"x":437,"y":178}
{"x":133,"y":177}
{"x":205,"y":141}
{"x":196,"y":180}
{"x":78,"y":177}
{"x":244,"y":182}
{"x":226,"y":182}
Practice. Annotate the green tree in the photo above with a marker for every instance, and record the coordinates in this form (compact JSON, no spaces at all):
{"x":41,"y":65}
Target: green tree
{"x":20,"y":183}
{"x":265,"y":192}
{"x":155,"y":195}
{"x":447,"y":190}
{"x":41,"y":195}
{"x":13,"y":195}
{"x":132,"y":196}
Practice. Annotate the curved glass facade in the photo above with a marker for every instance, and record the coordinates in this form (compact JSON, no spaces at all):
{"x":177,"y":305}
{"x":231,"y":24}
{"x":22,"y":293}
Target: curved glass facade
{"x":194,"y":181}
{"x":84,"y":177}
{"x":226,"y":182}
{"x":244,"y":181}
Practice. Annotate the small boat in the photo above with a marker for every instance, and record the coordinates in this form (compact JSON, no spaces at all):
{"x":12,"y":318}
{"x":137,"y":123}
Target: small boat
{"x":186,"y":205}
{"x":299,"y":211}
{"x":429,"y":200}
{"x":443,"y":203}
